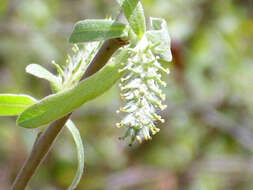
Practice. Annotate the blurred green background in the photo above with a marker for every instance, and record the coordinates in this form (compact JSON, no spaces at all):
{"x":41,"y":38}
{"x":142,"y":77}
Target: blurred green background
{"x":206,"y":142}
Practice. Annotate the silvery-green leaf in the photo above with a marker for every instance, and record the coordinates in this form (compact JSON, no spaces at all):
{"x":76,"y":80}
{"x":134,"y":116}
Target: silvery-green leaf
{"x":41,"y":72}
{"x":160,"y":35}
{"x":97,"y":30}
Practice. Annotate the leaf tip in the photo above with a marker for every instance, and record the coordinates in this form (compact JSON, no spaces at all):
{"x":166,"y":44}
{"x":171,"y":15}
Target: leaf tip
{"x":20,"y":121}
{"x":24,"y":121}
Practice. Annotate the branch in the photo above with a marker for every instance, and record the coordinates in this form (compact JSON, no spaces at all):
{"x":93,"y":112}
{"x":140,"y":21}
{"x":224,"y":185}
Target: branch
{"x":39,"y":151}
{"x":240,"y":132}
{"x":45,"y":140}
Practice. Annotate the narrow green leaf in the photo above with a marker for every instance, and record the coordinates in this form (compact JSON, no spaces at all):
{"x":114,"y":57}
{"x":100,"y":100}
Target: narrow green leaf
{"x":160,"y":34}
{"x":57,"y":105}
{"x":14,"y":104}
{"x":41,"y":72}
{"x":97,"y":30}
{"x":80,"y":153}
{"x":134,"y":13}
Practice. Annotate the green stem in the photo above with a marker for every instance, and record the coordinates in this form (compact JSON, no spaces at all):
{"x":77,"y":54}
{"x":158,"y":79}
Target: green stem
{"x":40,"y":149}
{"x":44,"y":141}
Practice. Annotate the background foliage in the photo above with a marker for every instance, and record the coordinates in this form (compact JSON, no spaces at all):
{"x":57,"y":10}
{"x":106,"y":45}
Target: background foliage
{"x":206,"y":142}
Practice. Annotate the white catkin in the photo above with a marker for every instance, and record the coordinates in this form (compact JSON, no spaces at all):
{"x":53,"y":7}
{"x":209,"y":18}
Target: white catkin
{"x":141,"y":91}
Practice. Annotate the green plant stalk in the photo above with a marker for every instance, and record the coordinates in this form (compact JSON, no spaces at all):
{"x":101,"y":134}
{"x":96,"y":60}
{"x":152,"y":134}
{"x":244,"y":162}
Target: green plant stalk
{"x":47,"y":138}
{"x":39,"y":151}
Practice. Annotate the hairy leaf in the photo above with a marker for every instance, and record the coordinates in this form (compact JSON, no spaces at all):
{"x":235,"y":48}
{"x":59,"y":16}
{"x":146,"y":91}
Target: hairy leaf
{"x":57,"y":105}
{"x":97,"y":30}
{"x":41,"y":72}
{"x":160,"y":35}
{"x":80,"y":153}
{"x":13,"y":104}
{"x":134,"y":13}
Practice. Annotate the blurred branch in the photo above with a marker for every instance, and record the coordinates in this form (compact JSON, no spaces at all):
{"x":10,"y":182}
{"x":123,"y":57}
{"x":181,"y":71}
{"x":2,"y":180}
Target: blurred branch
{"x":212,"y":117}
{"x":224,"y":165}
{"x":228,"y":165}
